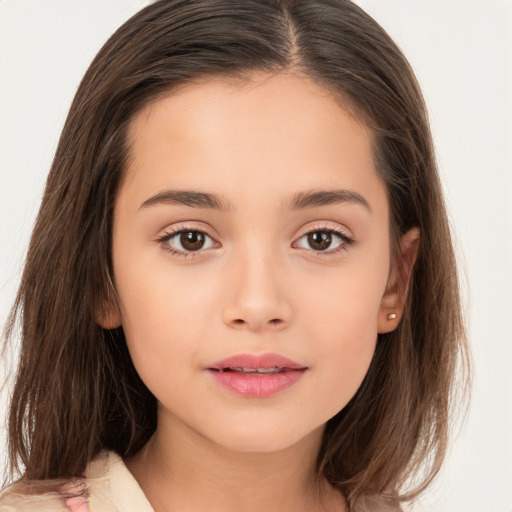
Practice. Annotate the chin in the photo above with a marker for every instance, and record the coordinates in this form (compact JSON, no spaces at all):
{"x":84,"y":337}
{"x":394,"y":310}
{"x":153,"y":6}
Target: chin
{"x":267,"y":439}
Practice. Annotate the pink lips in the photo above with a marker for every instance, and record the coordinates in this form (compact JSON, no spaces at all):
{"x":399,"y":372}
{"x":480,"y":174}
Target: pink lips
{"x":257,"y":375}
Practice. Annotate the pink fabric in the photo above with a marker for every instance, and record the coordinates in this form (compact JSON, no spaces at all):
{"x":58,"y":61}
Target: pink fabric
{"x":75,"y":496}
{"x":78,"y":504}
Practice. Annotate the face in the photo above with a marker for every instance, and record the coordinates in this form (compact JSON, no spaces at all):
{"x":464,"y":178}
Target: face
{"x":251,"y":258}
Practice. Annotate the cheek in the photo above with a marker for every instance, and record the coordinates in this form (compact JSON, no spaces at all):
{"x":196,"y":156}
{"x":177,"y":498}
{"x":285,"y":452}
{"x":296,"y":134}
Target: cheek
{"x":167,"y":314}
{"x":344,"y":354}
{"x":343,"y":322}
{"x":156,"y":315}
{"x":344,"y":334}
{"x":345,"y":303}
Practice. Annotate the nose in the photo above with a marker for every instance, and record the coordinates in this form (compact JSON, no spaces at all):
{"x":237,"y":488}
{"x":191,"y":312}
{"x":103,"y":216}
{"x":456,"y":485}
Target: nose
{"x":256,"y":298}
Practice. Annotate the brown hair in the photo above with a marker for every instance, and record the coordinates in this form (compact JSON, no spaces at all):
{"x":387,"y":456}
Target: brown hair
{"x":77,"y":391}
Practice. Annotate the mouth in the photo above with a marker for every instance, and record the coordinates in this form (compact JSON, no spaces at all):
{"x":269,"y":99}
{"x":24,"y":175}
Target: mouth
{"x":261,"y":371}
{"x":257,"y":375}
{"x":257,"y":363}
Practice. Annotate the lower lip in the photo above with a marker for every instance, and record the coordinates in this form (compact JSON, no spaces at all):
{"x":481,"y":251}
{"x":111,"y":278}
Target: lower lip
{"x":253,"y":385}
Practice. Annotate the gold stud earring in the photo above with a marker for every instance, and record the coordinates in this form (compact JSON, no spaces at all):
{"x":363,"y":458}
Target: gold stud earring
{"x":391,"y":316}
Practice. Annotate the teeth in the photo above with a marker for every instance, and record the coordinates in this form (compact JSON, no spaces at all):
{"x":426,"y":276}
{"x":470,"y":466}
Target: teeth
{"x":273,"y":369}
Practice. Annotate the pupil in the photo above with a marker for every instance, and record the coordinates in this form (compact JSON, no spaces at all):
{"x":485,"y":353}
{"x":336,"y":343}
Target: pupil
{"x":319,"y":239}
{"x":192,"y":240}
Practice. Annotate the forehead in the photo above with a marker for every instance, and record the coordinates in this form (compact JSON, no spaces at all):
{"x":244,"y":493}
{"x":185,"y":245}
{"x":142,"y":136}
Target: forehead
{"x":273,"y":130}
{"x":205,"y":103}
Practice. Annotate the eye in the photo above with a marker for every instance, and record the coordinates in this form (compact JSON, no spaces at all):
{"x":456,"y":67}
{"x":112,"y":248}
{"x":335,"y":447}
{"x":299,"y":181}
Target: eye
{"x":325,"y":241}
{"x":186,"y":241}
{"x":189,"y":242}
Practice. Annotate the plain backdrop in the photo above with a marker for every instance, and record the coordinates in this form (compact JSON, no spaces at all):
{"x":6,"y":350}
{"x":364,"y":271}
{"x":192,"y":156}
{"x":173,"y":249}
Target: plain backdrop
{"x":461,"y":51}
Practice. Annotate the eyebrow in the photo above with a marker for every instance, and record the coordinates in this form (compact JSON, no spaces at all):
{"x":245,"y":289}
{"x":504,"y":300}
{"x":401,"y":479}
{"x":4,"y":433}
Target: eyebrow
{"x":314,"y":198}
{"x":299,"y":201}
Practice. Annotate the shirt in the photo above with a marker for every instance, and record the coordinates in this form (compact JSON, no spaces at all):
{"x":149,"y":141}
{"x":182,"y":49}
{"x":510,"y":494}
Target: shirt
{"x":107,"y":486}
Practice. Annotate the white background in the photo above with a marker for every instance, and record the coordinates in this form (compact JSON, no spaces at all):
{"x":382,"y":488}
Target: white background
{"x":462,"y":53}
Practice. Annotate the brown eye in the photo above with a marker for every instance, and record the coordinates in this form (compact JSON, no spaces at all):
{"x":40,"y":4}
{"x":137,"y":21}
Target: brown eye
{"x":186,"y":241}
{"x":327,"y":241}
{"x":192,"y":240}
{"x":320,"y":240}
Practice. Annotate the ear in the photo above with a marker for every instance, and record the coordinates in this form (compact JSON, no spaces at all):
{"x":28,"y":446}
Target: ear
{"x":108,"y":314}
{"x":393,"y":300}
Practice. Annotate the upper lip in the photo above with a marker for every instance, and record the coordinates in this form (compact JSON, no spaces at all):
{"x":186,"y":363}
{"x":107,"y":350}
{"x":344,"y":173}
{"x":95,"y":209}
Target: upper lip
{"x":254,"y":361}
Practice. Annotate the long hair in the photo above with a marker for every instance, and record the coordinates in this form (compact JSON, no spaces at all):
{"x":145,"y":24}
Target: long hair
{"x":76,"y":390}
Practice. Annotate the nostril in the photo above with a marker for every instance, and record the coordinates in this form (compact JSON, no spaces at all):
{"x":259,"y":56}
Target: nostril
{"x":241,"y":323}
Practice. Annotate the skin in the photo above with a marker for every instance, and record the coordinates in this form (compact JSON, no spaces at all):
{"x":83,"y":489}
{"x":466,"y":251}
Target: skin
{"x":256,"y":286}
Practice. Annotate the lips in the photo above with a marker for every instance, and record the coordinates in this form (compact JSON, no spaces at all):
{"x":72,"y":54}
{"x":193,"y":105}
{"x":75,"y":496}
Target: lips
{"x":257,"y":361}
{"x":257,"y":375}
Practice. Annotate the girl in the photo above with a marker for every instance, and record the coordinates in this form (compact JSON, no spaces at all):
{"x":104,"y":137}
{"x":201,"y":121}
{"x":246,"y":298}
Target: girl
{"x":240,"y":291}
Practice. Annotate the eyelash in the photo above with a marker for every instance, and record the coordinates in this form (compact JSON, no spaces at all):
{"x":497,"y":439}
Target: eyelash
{"x":163,"y":240}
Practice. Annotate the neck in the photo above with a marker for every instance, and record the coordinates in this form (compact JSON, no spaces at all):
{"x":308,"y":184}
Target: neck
{"x":179,"y":469}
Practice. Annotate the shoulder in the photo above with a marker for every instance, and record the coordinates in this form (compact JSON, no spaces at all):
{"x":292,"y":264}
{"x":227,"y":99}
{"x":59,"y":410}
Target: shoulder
{"x":59,"y":495}
{"x":50,"y":496}
{"x":106,"y":486}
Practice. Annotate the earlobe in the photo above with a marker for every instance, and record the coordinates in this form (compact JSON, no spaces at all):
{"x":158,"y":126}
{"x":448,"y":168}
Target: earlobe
{"x":108,"y":314}
{"x":395,"y":296}
{"x":110,"y":321}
